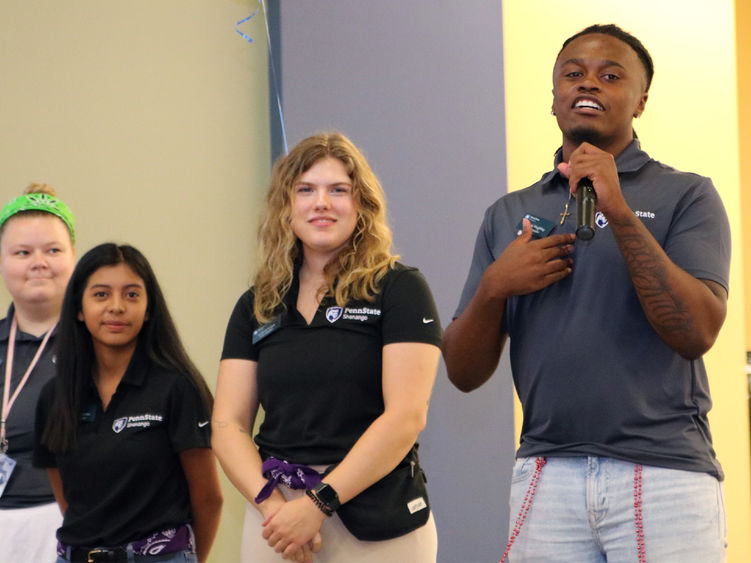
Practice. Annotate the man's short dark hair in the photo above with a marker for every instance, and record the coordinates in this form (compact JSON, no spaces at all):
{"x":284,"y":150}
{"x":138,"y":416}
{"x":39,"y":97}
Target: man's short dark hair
{"x":615,"y":31}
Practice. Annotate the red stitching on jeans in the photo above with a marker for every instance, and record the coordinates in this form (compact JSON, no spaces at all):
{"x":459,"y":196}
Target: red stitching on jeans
{"x":640,"y":549}
{"x":526,"y":505}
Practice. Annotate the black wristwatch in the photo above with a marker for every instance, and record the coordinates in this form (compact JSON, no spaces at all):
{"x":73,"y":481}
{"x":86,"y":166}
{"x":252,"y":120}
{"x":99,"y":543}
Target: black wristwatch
{"x":327,"y":495}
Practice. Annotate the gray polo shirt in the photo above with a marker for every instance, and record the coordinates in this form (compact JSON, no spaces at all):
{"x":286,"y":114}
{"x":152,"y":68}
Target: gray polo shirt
{"x":593,"y":376}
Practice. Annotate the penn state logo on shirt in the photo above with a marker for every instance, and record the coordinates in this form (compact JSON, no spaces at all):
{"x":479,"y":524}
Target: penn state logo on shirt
{"x":119,"y":424}
{"x":136,"y":421}
{"x":361,"y":314}
{"x":333,"y":314}
{"x":645,"y":214}
{"x":600,"y":220}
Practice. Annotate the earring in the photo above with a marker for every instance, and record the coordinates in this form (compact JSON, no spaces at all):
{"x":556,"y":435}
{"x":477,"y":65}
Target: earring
{"x":552,"y":112}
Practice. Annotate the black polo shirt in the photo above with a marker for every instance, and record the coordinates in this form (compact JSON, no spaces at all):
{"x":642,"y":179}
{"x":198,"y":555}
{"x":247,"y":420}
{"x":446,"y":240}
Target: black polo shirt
{"x":320,"y":384}
{"x":28,"y":486}
{"x":125,"y":480}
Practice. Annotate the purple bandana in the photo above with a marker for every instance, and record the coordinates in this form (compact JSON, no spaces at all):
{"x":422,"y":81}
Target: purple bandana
{"x":292,"y":475}
{"x":167,"y":541}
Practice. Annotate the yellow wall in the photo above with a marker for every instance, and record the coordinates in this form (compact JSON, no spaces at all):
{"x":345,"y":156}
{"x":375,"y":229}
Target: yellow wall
{"x":743,"y":40}
{"x":691,"y":122}
{"x":150,"y":119}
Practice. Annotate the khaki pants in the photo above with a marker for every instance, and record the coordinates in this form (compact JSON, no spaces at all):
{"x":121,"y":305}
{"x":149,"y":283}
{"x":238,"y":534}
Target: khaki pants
{"x":339,"y":546}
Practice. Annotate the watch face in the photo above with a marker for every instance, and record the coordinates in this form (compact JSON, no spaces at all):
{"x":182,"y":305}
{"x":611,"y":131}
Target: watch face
{"x":328,"y":495}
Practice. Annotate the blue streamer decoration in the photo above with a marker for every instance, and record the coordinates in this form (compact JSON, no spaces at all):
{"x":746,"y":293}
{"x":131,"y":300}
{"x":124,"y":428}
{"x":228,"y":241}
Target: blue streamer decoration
{"x":271,"y":63}
{"x":242,"y":21}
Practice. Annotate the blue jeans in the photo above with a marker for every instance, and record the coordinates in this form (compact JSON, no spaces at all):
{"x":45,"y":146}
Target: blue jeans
{"x":176,"y":557}
{"x":583,"y":511}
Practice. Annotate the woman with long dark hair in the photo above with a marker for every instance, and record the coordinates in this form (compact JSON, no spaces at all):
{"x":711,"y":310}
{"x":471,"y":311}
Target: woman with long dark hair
{"x":123,"y":430}
{"x":37,"y":257}
{"x":338,"y":342}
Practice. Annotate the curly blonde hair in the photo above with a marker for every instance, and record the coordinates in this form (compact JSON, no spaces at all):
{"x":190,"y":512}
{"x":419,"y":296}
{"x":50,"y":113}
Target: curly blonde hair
{"x":357,"y":270}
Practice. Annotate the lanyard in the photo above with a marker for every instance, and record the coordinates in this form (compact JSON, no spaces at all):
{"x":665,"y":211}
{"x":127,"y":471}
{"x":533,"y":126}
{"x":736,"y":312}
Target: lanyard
{"x":7,"y":399}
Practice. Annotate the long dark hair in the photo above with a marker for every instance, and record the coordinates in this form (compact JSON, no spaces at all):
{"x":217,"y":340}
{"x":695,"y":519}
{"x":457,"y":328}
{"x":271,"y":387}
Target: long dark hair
{"x":75,"y":352}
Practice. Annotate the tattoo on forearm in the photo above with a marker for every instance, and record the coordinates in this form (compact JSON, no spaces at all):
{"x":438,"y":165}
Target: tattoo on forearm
{"x":650,"y":278}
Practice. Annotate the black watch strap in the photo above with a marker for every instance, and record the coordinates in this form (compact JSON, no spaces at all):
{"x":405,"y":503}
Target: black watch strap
{"x":327,"y":495}
{"x":322,"y":507}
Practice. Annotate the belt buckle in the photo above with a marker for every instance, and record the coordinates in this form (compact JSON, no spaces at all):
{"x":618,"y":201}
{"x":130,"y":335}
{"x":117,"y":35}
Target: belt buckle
{"x":95,"y":552}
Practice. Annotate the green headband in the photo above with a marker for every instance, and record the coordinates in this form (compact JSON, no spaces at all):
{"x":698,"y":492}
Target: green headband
{"x":39,"y":202}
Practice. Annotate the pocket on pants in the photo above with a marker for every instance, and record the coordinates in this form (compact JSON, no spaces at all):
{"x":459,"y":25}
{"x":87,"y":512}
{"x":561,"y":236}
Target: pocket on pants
{"x":523,"y":469}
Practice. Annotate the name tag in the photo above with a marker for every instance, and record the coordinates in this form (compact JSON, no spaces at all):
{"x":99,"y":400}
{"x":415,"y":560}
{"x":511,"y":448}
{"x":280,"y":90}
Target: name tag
{"x":541,"y":227}
{"x":7,"y":465}
{"x":264,"y":330}
{"x":89,"y":413}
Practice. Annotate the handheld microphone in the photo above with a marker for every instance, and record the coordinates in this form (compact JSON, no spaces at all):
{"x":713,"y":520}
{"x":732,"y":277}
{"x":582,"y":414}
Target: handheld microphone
{"x":586,"y":198}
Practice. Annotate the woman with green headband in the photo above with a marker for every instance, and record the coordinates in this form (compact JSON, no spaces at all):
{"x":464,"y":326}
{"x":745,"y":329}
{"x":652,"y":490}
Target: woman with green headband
{"x":36,"y":260}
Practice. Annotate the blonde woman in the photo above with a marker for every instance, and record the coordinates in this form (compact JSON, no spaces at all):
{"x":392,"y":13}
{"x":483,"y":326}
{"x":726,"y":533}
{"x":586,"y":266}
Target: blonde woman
{"x":36,"y":260}
{"x":339,"y":343}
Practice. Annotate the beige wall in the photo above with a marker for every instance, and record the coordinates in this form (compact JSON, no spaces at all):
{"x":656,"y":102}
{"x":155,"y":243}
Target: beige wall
{"x":150,"y":120}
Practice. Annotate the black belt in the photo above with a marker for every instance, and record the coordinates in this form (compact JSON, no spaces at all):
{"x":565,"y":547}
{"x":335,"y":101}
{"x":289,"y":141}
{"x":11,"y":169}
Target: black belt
{"x":98,"y":554}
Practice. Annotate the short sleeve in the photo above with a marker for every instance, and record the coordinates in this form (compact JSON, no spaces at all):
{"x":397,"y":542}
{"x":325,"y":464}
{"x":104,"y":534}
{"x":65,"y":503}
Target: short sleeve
{"x":42,"y":456}
{"x":481,"y":259}
{"x":188,"y":422}
{"x":699,"y":236}
{"x":409,"y":312}
{"x":238,"y":339}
